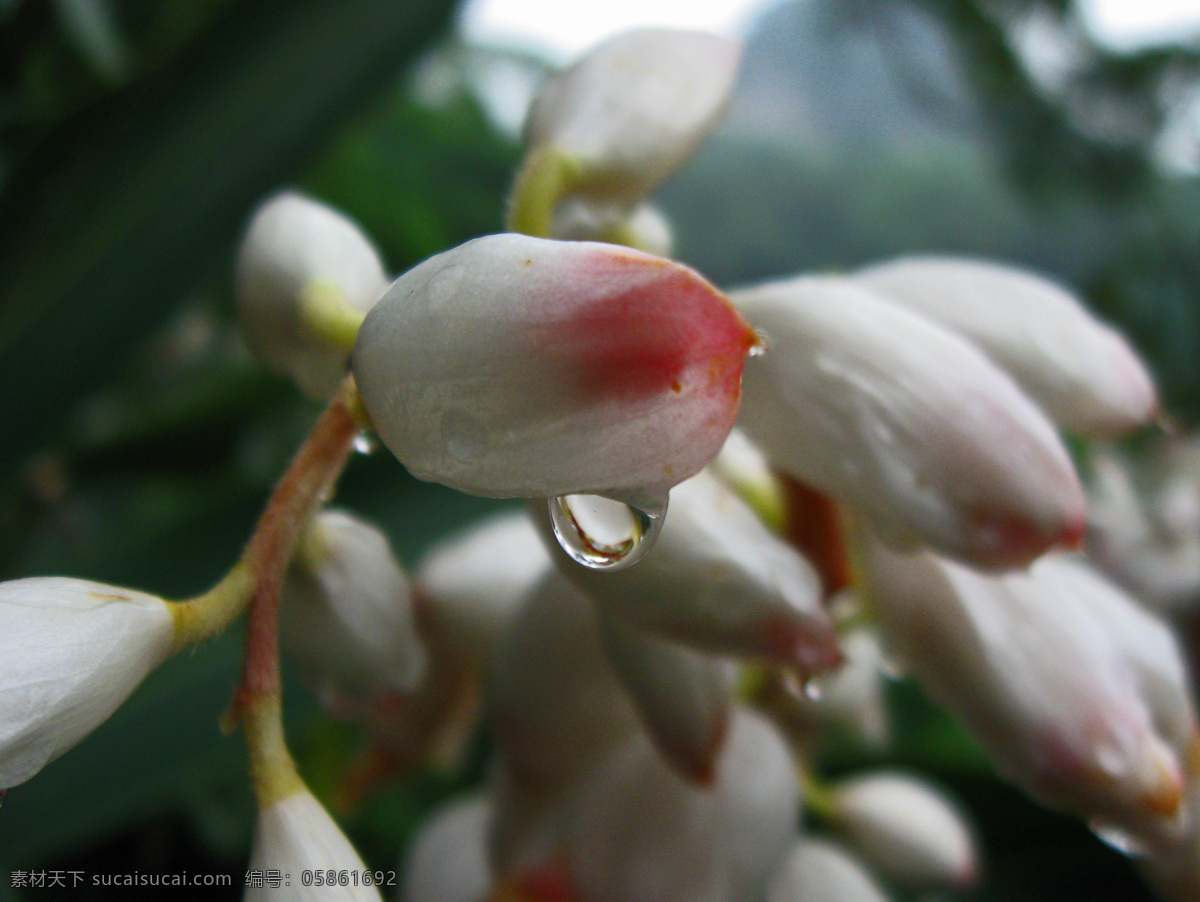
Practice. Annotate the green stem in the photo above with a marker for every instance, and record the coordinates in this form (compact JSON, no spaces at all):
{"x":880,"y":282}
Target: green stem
{"x":327,"y":316}
{"x":544,"y":180}
{"x":299,"y":492}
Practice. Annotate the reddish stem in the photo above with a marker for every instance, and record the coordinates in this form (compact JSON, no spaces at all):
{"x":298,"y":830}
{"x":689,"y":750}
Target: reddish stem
{"x":302,"y":488}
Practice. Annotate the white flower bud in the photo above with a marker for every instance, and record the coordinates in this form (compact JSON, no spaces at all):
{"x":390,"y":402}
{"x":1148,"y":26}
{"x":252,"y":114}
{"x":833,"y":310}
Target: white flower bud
{"x":852,"y":697}
{"x":719,"y":580}
{"x":1083,"y":373}
{"x":819,"y":871}
{"x":295,"y":834}
{"x":448,"y":861}
{"x":347,"y":618}
{"x":518,"y":366}
{"x":633,"y":109}
{"x":554,"y":702}
{"x":1077,"y":695}
{"x":1146,"y":535}
{"x":71,"y":651}
{"x":299,"y":253}
{"x":472,"y":583}
{"x":907,"y":830}
{"x":909,"y":423}
{"x":684,"y":697}
{"x":635,"y":830}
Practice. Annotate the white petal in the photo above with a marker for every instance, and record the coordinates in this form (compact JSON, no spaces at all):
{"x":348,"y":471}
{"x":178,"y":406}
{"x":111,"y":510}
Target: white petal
{"x":634,"y":108}
{"x":518,"y":366}
{"x":718,"y":579}
{"x":1083,"y":373}
{"x":911,"y":424}
{"x":852,"y":697}
{"x":554,"y":703}
{"x":820,"y":871}
{"x":637,"y":831}
{"x":347,"y":614}
{"x":448,"y":859}
{"x":682,"y":696}
{"x":473,"y":582}
{"x":293,"y":244}
{"x":71,"y":651}
{"x":907,"y":830}
{"x":1047,"y":680}
{"x":294,"y":835}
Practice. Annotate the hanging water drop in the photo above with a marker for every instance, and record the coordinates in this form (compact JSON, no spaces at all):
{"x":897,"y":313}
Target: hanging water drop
{"x":1119,"y":838}
{"x":813,"y":690}
{"x":603,"y":533}
{"x":366,"y":443}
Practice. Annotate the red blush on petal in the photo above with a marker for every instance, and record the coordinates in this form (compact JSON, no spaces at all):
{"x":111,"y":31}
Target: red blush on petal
{"x":673,"y":333}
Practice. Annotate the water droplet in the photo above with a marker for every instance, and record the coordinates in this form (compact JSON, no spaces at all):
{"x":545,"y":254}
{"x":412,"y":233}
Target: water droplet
{"x":813,"y":690}
{"x":892,"y":668}
{"x":604,"y":533}
{"x":366,"y":443}
{"x":1119,"y":838}
{"x":761,"y":345}
{"x":464,"y":436}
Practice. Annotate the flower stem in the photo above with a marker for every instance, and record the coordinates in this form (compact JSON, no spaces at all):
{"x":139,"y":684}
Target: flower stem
{"x":312,"y":472}
{"x":303,"y":487}
{"x":543,"y":181}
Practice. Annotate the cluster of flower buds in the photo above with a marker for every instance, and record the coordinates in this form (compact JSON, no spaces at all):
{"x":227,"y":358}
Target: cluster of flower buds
{"x":657,"y":682}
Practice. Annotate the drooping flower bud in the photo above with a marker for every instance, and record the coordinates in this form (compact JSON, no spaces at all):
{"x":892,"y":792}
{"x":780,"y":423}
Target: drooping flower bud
{"x":1078,"y":695}
{"x":554,"y":703}
{"x":71,"y":651}
{"x":852,"y":697}
{"x":1082,"y":372}
{"x":816,"y":870}
{"x":472,"y":584}
{"x":347,"y":616}
{"x":635,"y":830}
{"x":632,"y":110}
{"x":517,"y":366}
{"x":683,"y":697}
{"x":908,"y":831}
{"x":719,"y":580}
{"x":907,"y":422}
{"x":296,"y":835}
{"x":447,"y":861}
{"x":1144,"y":524}
{"x":305,"y":276}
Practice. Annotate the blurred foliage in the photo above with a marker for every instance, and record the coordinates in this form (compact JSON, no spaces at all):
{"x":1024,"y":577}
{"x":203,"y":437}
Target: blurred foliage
{"x":139,"y":440}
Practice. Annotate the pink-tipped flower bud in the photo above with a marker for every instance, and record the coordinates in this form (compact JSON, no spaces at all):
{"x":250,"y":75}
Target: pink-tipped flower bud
{"x":518,"y":366}
{"x":911,"y":424}
{"x":1083,"y":373}
{"x":1078,"y":695}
